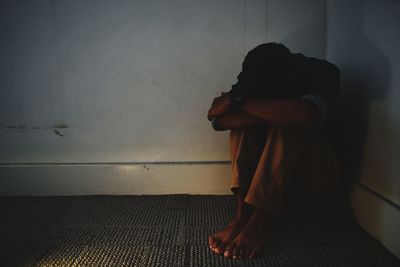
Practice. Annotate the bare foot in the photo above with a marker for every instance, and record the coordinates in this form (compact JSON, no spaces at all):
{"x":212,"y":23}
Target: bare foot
{"x":219,"y":241}
{"x":250,"y":241}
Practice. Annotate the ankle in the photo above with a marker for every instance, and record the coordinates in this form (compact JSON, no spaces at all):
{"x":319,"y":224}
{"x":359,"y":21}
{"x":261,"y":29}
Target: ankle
{"x":244,"y":209}
{"x":260,"y":215}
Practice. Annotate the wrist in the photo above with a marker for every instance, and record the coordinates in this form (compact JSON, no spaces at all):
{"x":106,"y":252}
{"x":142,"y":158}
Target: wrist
{"x":215,"y":125}
{"x":237,"y":100}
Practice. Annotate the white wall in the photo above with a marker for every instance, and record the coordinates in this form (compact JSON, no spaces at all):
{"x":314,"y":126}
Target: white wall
{"x":364,"y":40}
{"x":131,"y":81}
{"x":300,"y":25}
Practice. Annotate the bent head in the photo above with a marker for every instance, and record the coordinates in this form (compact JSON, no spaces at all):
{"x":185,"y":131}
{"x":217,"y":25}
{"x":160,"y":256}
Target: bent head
{"x":267,"y":57}
{"x":266,"y":72}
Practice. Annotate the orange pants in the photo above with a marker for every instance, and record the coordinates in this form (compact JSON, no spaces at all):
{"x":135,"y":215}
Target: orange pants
{"x":283,"y":168}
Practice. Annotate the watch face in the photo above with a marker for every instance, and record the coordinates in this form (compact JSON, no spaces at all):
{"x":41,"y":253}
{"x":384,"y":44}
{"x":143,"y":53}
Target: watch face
{"x":239,"y":99}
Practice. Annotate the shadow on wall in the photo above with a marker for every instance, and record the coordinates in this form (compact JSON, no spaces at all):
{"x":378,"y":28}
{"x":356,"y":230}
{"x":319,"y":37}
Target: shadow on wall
{"x":365,"y":78}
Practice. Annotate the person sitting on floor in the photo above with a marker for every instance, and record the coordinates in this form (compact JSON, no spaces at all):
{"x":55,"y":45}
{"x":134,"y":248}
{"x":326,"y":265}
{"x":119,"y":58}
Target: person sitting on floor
{"x":279,"y":161}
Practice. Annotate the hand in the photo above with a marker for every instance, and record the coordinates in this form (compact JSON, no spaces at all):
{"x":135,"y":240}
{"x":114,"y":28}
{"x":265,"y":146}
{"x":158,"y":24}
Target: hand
{"x":219,"y":106}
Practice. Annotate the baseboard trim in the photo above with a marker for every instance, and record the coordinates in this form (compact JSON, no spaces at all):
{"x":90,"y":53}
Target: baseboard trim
{"x":378,"y":217}
{"x":115,"y":179}
{"x":378,"y":195}
{"x":22,"y":164}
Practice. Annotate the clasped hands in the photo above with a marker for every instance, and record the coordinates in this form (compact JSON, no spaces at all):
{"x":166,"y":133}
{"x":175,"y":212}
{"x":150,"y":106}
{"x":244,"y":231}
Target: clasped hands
{"x":221,"y":105}
{"x":224,"y":118}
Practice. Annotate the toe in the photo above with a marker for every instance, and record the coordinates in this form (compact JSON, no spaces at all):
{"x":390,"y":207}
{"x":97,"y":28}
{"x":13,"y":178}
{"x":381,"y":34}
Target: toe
{"x":235,"y":253}
{"x":219,"y":248}
{"x":242,"y":254}
{"x":213,"y":242}
{"x":253,"y":253}
{"x":228,"y":251}
{"x":227,"y":254}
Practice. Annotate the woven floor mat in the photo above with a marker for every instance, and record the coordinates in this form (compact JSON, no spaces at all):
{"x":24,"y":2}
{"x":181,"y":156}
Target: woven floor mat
{"x":169,"y":230}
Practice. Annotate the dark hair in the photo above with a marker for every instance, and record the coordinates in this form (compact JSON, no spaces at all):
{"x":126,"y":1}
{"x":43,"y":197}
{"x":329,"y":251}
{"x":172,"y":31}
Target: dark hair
{"x":267,"y":73}
{"x":269,"y":55}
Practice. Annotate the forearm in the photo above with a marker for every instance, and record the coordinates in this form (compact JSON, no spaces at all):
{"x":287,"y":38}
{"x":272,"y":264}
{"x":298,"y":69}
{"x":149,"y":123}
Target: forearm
{"x":236,"y":120}
{"x":289,"y":113}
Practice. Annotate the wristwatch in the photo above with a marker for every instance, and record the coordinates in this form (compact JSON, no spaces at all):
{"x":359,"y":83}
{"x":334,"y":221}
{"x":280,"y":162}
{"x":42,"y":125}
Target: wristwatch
{"x":237,"y":100}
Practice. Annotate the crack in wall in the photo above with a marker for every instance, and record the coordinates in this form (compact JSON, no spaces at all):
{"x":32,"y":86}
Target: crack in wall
{"x":22,"y":128}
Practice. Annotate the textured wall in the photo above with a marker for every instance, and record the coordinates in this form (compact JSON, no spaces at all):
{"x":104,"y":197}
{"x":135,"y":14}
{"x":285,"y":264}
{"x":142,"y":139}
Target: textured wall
{"x":300,"y":25}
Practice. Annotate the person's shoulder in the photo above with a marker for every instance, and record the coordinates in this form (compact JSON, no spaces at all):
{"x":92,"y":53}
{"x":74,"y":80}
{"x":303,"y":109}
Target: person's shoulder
{"x":315,"y":64}
{"x":320,"y":77}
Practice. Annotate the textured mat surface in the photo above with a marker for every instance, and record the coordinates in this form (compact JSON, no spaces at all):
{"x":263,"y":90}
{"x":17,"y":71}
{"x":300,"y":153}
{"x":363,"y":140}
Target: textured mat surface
{"x":167,"y":230}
